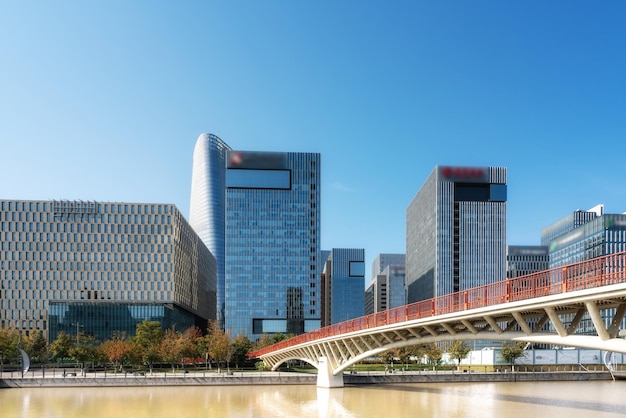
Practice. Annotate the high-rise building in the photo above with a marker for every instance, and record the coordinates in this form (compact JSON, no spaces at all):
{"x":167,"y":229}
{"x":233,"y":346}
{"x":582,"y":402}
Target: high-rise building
{"x":585,"y":235}
{"x":383,"y":260}
{"x":343,"y":280}
{"x":101,"y":268}
{"x":456,"y":231}
{"x":207,"y":209}
{"x":262,"y":216}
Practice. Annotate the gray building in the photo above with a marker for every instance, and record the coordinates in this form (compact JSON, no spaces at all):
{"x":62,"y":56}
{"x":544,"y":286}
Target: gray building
{"x":101,"y":268}
{"x":456,"y":231}
{"x":387,"y":288}
{"x":526,"y":259}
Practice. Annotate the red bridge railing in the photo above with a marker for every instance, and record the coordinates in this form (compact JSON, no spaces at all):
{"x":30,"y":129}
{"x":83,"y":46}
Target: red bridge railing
{"x":601,"y":271}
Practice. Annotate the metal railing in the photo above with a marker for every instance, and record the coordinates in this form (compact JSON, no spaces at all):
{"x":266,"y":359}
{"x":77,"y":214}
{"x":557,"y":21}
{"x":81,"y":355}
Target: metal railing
{"x":601,"y":271}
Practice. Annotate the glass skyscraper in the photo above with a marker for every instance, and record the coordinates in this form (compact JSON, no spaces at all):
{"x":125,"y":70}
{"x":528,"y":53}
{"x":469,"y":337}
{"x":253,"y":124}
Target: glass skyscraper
{"x":343,"y":280}
{"x":456,"y":231}
{"x":101,"y":268}
{"x":207,"y":207}
{"x":263,"y":217}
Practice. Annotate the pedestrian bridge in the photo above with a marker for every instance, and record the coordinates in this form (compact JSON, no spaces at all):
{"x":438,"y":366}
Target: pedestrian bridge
{"x":580,"y":305}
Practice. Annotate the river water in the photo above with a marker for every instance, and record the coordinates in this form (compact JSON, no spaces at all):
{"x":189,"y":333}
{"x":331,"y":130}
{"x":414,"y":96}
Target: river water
{"x":449,"y":400}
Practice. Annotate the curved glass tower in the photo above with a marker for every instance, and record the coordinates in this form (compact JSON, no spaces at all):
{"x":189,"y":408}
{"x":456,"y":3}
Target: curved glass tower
{"x":207,"y":205}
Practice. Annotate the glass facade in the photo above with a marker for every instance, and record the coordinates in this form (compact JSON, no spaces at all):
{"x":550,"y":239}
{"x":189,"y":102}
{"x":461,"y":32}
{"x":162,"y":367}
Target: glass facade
{"x":272,"y":236}
{"x":456,"y":231}
{"x":207,"y":209}
{"x":76,"y":251}
{"x":526,"y":259}
{"x":388,"y":286}
{"x":105,"y":319}
{"x":343,"y":283}
{"x":587,"y":235}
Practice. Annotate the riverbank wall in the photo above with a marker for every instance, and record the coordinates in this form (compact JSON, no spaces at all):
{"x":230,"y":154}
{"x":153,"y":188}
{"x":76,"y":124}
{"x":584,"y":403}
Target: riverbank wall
{"x":298,"y":379}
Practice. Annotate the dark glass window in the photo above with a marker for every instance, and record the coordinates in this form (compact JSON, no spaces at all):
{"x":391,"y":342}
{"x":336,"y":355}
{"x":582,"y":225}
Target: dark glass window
{"x":259,"y":179}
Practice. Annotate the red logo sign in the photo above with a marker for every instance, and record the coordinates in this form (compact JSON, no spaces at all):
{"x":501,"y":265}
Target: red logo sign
{"x":474,"y":173}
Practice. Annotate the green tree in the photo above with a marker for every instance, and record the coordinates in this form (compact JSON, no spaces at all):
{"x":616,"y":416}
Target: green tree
{"x":432,"y":353}
{"x":241,"y":347}
{"x":86,"y":349}
{"x":36,"y":346}
{"x":60,"y":347}
{"x":148,"y":337}
{"x":511,"y":352}
{"x":458,"y":351}
{"x":9,"y":343}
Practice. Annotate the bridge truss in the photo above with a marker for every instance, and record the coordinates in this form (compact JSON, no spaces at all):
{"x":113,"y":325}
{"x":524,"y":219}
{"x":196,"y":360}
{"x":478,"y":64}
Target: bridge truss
{"x":547,"y":307}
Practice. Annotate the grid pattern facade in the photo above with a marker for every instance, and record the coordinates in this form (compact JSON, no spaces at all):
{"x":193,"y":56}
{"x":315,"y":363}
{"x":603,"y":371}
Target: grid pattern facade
{"x":569,"y":223}
{"x":603,"y":235}
{"x":456,"y":231}
{"x":87,"y":252}
{"x":208,"y":204}
{"x":526,"y":259}
{"x":343,"y":288}
{"x":272,"y":237}
{"x":386,"y":290}
{"x":383,"y":260}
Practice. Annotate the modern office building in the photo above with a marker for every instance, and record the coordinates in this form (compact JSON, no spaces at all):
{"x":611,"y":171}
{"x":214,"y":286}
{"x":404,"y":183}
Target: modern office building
{"x":569,"y":223}
{"x":586,"y":235}
{"x":388,"y":286}
{"x":526,"y":259}
{"x":101,"y":268}
{"x":207,"y":209}
{"x":456,"y":231}
{"x":263,"y":214}
{"x":382,"y":260}
{"x":343,"y":280}
{"x":387,"y":290}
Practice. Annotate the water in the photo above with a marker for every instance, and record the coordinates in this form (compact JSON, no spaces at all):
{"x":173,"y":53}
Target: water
{"x":449,"y":400}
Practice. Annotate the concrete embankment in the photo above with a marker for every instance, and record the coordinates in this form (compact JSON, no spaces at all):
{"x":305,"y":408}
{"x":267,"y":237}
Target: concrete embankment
{"x":297,"y":379}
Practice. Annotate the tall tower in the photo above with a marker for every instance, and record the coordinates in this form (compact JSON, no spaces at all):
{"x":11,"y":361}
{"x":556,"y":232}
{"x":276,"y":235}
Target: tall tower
{"x":272,"y":240}
{"x":208,"y":204}
{"x":259,"y":214}
{"x":456,"y":231}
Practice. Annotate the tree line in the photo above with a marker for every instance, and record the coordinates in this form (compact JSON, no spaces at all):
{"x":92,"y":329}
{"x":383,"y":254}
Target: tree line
{"x":152,"y":345}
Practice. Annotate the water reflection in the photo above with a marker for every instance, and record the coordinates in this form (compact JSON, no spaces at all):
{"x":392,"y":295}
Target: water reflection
{"x":462,"y":400}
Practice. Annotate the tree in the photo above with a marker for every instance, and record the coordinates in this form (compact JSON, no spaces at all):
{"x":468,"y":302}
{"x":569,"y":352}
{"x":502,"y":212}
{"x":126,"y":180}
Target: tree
{"x":85,"y":349}
{"x":459,"y":350}
{"x":116,"y":350}
{"x":148,"y":337}
{"x":60,"y":348}
{"x":36,"y":346}
{"x":9,"y":342}
{"x":432,"y":353}
{"x":188,"y":342}
{"x":511,"y":352}
{"x":241,"y":347}
{"x":218,"y":344}
{"x":171,"y":347}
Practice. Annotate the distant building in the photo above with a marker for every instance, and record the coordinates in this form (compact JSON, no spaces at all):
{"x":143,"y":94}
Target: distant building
{"x":456,"y":231}
{"x":260,"y":211}
{"x":387,"y":288}
{"x":526,"y":259}
{"x":585,"y":235}
{"x":101,"y":268}
{"x":343,"y":280}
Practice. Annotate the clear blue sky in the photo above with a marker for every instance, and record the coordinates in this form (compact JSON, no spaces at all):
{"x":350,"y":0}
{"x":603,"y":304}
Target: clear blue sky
{"x":105,"y":100}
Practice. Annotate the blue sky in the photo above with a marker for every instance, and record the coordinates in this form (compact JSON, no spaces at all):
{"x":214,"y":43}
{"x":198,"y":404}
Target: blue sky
{"x":105,"y":100}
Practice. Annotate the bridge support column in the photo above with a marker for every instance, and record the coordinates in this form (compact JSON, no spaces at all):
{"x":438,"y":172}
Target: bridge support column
{"x":325,"y":376}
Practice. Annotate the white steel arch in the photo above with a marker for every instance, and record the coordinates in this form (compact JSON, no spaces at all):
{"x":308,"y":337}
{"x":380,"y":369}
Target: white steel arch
{"x":542,"y":308}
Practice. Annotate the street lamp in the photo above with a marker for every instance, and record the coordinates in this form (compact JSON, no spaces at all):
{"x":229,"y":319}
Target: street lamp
{"x":77,"y":325}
